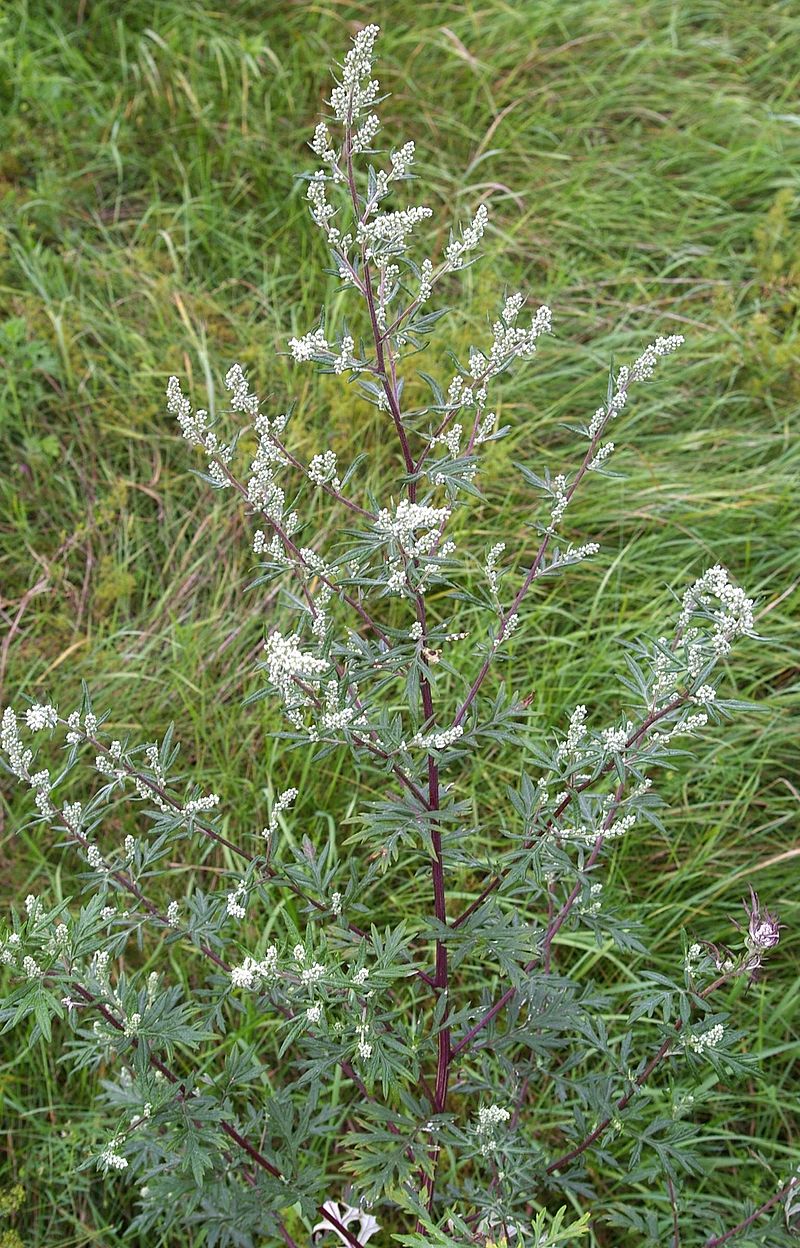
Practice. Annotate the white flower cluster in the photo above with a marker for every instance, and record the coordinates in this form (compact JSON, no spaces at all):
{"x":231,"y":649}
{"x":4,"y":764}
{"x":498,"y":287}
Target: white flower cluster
{"x":263,"y":492}
{"x":511,"y":341}
{"x":560,"y":502}
{"x":402,"y":523}
{"x":364,"y":1047}
{"x":426,"y":280}
{"x":619,"y":827}
{"x":571,"y":745}
{"x":733,"y":617}
{"x":400,"y":527}
{"x":19,"y":758}
{"x":322,"y":470}
{"x":594,"y":902}
{"x":451,"y":438}
{"x":236,"y":902}
{"x":706,"y":1040}
{"x":345,"y":359}
{"x":438,"y":740}
{"x":507,"y":629}
{"x":604,"y":452}
{"x":489,"y":1119}
{"x":286,"y":662}
{"x":198,"y":805}
{"x":353,"y":95}
{"x":335,"y":716}
{"x":242,"y":400}
{"x":313,"y":973}
{"x":19,"y":762}
{"x":132,"y":1024}
{"x":196,"y":428}
{"x":311,"y":345}
{"x":693,"y":955}
{"x":458,"y":249}
{"x":366,"y":132}
{"x":321,"y":211}
{"x":111,"y":1158}
{"x":575,"y":554}
{"x":250,"y":974}
{"x":641,"y":369}
{"x":490,"y":569}
{"x":282,"y":803}
{"x":616,"y":739}
{"x":41,"y":715}
{"x":386,"y":234}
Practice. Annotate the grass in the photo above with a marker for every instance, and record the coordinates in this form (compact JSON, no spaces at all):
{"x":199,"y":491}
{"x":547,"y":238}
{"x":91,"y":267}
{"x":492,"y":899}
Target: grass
{"x":641,"y":164}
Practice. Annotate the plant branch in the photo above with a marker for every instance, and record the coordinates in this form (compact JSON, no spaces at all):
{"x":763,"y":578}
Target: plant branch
{"x":716,"y":1240}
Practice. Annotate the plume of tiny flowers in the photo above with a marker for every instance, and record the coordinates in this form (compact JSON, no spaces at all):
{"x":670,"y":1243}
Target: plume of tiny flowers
{"x":458,"y":249}
{"x":357,"y":90}
{"x":640,"y":370}
{"x":490,"y":1118}
{"x":111,"y":1158}
{"x":41,"y":715}
{"x":282,"y":803}
{"x":196,"y":428}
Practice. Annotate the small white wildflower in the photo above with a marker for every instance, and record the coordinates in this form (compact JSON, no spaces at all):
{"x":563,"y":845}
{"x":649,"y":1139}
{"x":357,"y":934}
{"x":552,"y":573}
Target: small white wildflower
{"x":575,"y":734}
{"x":438,"y":740}
{"x":199,"y":804}
{"x":311,"y":344}
{"x":173,"y":914}
{"x":425,"y":282}
{"x":132,"y":1024}
{"x":314,"y":1013}
{"x":706,"y":1040}
{"x":616,"y":739}
{"x":693,"y":955}
{"x":345,"y":359}
{"x":286,"y":661}
{"x":236,"y":903}
{"x":283,"y":802}
{"x":491,"y":571}
{"x":95,"y":858}
{"x":111,"y":1158}
{"x":600,"y":458}
{"x":322,"y":470}
{"x":244,"y":976}
{"x":470,"y":237}
{"x":41,"y":715}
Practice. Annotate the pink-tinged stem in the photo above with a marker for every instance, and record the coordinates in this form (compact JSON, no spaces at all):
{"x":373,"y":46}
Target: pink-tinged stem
{"x":716,"y":1240}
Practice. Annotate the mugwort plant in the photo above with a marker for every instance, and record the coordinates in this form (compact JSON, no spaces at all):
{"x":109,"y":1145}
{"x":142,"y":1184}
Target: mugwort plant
{"x":347,"y":1071}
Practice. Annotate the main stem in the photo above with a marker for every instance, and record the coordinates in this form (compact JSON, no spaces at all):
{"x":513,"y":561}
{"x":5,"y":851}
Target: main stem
{"x":387,"y":371}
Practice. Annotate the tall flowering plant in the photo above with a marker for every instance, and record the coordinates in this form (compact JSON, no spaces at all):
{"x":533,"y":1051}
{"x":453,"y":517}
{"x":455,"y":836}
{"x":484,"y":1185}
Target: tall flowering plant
{"x":378,"y":1084}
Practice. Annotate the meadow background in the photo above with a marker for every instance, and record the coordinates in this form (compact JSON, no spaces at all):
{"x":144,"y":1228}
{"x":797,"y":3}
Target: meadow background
{"x":641,"y":161}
